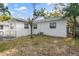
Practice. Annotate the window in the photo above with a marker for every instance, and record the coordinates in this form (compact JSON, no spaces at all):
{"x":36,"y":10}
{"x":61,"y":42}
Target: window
{"x":53,"y":25}
{"x":1,"y":26}
{"x":11,"y":26}
{"x":35,"y":26}
{"x":26,"y":26}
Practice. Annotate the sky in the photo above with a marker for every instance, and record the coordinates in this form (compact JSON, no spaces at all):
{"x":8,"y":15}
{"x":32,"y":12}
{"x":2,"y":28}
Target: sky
{"x":25,"y":10}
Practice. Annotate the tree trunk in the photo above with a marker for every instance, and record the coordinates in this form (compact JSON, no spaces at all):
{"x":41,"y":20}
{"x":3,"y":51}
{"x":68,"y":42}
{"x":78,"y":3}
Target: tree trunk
{"x":74,"y":26}
{"x":31,"y":30}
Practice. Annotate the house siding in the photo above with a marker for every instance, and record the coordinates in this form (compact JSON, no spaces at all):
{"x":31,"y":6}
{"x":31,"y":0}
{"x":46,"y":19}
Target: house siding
{"x":59,"y":31}
{"x":20,"y":30}
{"x":5,"y":30}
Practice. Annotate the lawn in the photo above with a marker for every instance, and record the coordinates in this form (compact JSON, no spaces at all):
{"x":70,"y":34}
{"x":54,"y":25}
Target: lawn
{"x":39,"y":46}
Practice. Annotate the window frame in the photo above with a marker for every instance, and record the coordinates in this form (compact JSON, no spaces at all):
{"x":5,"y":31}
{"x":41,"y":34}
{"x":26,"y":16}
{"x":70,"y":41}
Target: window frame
{"x":26,"y":26}
{"x":34,"y":26}
{"x":52,"y":25}
{"x":11,"y":26}
{"x":1,"y":28}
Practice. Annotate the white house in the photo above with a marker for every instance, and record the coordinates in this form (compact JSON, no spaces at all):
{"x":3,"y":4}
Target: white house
{"x":53,"y":26}
{"x":13,"y":27}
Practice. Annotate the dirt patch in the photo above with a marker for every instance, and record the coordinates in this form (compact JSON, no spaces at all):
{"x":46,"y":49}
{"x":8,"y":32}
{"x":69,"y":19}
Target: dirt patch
{"x":68,"y":39}
{"x":40,"y":46}
{"x":9,"y":52}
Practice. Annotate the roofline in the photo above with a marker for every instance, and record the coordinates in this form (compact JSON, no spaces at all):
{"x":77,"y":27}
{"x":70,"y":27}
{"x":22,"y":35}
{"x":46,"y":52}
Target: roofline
{"x":53,"y":19}
{"x":18,"y":19}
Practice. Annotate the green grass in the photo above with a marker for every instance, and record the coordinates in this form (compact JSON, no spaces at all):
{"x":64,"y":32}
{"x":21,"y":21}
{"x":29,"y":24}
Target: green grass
{"x":39,"y":45}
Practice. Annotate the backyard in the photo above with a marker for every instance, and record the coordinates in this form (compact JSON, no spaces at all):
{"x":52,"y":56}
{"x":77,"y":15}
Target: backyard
{"x":39,"y":46}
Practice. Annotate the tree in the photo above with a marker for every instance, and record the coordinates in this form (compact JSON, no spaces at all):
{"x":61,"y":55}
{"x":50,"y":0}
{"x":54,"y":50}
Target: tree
{"x":41,"y":13}
{"x":55,"y":14}
{"x":30,"y":21}
{"x":36,"y":14}
{"x":72,"y":10}
{"x":4,"y":18}
{"x":5,"y":12}
{"x":59,"y":7}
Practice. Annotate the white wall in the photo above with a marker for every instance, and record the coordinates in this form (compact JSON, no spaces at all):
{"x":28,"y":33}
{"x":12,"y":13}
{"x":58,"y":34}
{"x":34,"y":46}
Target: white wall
{"x":20,"y":31}
{"x":6,"y":30}
{"x":59,"y":31}
{"x":36,"y":31}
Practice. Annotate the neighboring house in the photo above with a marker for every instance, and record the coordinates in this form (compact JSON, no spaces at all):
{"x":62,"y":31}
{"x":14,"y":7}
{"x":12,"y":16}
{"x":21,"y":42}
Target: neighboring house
{"x":4,"y":29}
{"x":53,"y":26}
{"x":14,"y":27}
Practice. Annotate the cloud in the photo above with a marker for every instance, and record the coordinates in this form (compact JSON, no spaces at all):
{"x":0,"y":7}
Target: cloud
{"x":16,"y":9}
{"x":22,"y":8}
{"x":12,"y":12}
{"x":49,"y":3}
{"x":19,"y":15}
